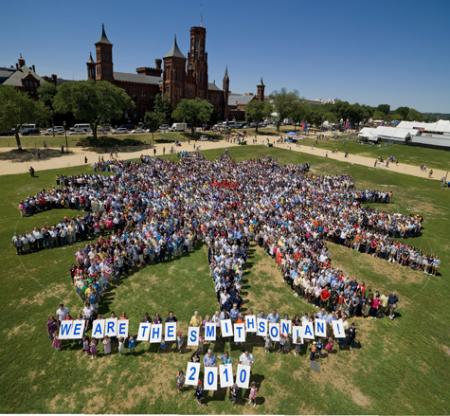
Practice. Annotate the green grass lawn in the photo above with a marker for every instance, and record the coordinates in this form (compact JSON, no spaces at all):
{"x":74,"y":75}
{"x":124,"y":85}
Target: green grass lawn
{"x":403,"y":367}
{"x":58,"y":141}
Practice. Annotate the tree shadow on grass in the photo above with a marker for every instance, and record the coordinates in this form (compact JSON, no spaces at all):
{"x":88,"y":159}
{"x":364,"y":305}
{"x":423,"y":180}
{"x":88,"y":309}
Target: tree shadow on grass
{"x":28,"y":155}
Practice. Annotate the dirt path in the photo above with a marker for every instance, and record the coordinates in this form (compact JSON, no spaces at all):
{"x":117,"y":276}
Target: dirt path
{"x":404,"y":168}
{"x":76,"y":158}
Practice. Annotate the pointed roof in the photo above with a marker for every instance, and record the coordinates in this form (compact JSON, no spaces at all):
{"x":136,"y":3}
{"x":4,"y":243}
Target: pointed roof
{"x":104,"y":38}
{"x":226,"y":73}
{"x":91,"y":59}
{"x":175,"y":51}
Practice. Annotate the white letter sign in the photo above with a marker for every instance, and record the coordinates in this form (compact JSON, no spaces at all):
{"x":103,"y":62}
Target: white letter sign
{"x":111,"y":327}
{"x":155,"y":333}
{"x":262,"y":327}
{"x":98,"y":329}
{"x":192,"y":373}
{"x":170,"y":331}
{"x":210,"y":331}
{"x":210,"y":380}
{"x":226,"y":375}
{"x":274,"y":331}
{"x":308,"y":331}
{"x":338,"y":329}
{"x":144,"y":331}
{"x":239,"y":332}
{"x":243,"y":376}
{"x":320,"y":327}
{"x":250,"y":323}
{"x":193,"y":336}
{"x":226,"y":328}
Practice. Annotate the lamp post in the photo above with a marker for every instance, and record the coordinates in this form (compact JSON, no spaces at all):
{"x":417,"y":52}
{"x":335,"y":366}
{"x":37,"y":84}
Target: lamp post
{"x":65,"y":134}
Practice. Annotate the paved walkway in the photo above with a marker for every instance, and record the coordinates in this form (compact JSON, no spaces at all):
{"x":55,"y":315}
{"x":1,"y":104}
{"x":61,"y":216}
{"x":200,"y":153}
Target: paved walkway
{"x":76,"y":158}
{"x":404,"y":168}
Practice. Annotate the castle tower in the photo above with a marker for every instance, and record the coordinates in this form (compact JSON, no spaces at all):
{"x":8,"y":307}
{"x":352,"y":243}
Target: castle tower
{"x":104,"y":64}
{"x":90,"y":64}
{"x":21,"y":61}
{"x":198,"y":60}
{"x":260,"y":90}
{"x":174,"y":74}
{"x":226,"y":93}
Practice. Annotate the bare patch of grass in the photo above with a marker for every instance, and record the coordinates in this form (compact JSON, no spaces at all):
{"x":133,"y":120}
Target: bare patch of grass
{"x":56,"y":290}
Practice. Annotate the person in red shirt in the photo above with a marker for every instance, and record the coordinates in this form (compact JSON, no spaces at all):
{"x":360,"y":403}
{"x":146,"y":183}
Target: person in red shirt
{"x":324,"y":297}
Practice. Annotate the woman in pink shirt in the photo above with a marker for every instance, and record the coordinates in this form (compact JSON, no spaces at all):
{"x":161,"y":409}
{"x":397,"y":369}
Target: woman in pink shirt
{"x":375,"y":305}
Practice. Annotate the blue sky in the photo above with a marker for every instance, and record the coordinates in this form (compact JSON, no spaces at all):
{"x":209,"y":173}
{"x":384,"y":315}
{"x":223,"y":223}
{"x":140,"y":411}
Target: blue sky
{"x":372,"y":52}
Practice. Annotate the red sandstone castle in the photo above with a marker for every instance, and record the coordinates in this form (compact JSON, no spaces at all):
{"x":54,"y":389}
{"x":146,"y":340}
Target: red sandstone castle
{"x":180,"y":78}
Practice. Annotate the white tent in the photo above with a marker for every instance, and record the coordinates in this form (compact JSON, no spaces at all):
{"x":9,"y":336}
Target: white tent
{"x":440,"y":126}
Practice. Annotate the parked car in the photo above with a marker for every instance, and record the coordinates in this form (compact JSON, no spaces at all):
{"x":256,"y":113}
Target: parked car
{"x":178,"y":127}
{"x":128,"y":126}
{"x":29,"y":129}
{"x":164,"y":127}
{"x":104,"y":129}
{"x":204,"y":138}
{"x":121,"y":130}
{"x":56,"y":129}
{"x":138,"y":131}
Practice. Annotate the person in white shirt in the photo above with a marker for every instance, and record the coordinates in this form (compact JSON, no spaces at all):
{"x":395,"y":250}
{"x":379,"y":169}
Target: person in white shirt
{"x":246,"y":358}
{"x":62,"y":312}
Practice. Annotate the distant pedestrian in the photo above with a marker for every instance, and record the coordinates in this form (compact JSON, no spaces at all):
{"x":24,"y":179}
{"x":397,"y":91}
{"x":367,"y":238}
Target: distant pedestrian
{"x":180,"y":380}
{"x":199,"y":393}
{"x":32,"y":172}
{"x":93,"y":348}
{"x":180,"y":342}
{"x":86,"y":345}
{"x":234,"y":393}
{"x":106,"y":345}
{"x":252,"y":394}
{"x":132,"y":345}
{"x":121,"y":347}
{"x":56,"y":343}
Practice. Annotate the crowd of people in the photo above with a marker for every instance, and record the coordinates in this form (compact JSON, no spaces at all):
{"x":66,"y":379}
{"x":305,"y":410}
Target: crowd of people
{"x":156,"y":210}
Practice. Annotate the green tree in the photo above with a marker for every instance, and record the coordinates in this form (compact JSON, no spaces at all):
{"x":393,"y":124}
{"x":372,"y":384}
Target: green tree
{"x":414,"y":115}
{"x":94,"y":102}
{"x":153,"y":120}
{"x":284,"y":103}
{"x":301,"y":111}
{"x":194,"y":112}
{"x":257,"y":111}
{"x":46,"y":93}
{"x":379,"y":115}
{"x":403,"y":111}
{"x":161,"y":105}
{"x":17,"y":108}
{"x":384,"y":108}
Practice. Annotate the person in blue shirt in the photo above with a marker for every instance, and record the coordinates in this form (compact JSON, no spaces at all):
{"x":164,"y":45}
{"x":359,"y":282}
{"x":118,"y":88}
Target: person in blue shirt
{"x":234,"y":312}
{"x":273,"y":317}
{"x":226,"y":359}
{"x":209,"y":360}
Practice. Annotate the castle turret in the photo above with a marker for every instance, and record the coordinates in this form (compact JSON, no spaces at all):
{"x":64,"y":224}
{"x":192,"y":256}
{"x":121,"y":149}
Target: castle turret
{"x":104,"y":64}
{"x":90,"y":64}
{"x":174,"y":74}
{"x":226,"y":93}
{"x":260,"y":90}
